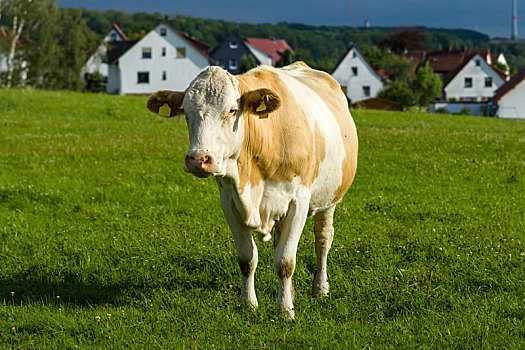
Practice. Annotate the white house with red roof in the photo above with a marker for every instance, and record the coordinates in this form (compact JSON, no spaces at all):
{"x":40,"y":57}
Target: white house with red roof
{"x":97,"y":62}
{"x":510,"y":97}
{"x":358,"y":79}
{"x":164,"y":59}
{"x":272,"y":47}
{"x":472,"y":81}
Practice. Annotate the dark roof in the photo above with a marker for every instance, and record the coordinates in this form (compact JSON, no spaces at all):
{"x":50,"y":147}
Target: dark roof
{"x":509,"y":85}
{"x":444,"y":61}
{"x":118,"y":48}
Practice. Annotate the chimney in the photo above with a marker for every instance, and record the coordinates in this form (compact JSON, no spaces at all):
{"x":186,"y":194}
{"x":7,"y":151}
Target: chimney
{"x":514,"y":31}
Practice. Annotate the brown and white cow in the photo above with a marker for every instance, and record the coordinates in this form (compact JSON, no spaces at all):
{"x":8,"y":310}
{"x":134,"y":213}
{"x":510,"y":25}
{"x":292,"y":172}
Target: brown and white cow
{"x":282,"y":145}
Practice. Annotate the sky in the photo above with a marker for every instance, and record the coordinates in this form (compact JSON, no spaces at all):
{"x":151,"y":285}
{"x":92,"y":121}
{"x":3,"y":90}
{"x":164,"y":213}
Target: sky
{"x":492,"y":17}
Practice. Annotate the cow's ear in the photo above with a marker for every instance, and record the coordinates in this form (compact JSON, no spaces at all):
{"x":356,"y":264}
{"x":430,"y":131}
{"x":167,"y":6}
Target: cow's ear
{"x":166,"y":103}
{"x":261,"y":102}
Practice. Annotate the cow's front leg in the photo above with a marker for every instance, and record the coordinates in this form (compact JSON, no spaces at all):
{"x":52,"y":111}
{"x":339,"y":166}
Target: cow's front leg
{"x":284,"y":256}
{"x":247,"y":256}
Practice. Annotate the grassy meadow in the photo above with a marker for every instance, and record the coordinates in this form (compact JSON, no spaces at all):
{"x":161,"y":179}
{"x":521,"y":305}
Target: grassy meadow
{"x":106,"y":243}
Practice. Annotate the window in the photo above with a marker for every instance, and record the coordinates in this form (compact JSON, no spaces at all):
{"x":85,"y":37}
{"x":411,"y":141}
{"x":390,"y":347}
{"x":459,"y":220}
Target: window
{"x":220,"y":62}
{"x":181,"y":52}
{"x":143,"y":77}
{"x":146,"y":52}
{"x":113,"y":36}
{"x":488,"y":82}
{"x":468,"y":82}
{"x":163,"y":53}
{"x":354,"y":54}
{"x":478,"y":63}
{"x":164,"y":75}
{"x":233,"y":44}
{"x":233,"y":63}
{"x":366,"y":91}
{"x":354,"y":71}
{"x":163,"y":31}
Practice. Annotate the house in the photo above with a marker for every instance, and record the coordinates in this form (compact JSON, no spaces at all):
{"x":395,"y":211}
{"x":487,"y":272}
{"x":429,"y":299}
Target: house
{"x":163,"y":59}
{"x":97,"y":61}
{"x":358,"y":79}
{"x":509,"y":97}
{"x":230,"y":52}
{"x":272,"y":47}
{"x":473,"y":80}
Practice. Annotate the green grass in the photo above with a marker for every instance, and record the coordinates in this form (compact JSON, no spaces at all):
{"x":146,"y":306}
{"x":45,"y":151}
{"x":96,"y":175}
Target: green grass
{"x":97,"y":218}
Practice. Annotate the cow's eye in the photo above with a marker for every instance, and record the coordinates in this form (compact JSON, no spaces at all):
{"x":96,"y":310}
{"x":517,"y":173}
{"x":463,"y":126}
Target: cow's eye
{"x":232,"y":112}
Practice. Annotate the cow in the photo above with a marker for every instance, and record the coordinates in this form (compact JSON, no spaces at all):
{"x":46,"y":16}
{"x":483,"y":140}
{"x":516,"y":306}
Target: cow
{"x":282,"y":146}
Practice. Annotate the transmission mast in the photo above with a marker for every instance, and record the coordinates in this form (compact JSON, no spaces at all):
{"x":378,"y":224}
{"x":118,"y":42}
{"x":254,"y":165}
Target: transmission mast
{"x":351,"y":13}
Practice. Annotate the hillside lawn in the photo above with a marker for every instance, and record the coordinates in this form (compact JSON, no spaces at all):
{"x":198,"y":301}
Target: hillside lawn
{"x":105,"y":242}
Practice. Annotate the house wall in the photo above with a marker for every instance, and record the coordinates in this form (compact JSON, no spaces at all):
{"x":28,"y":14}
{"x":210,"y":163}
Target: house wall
{"x":354,"y":83}
{"x":113,"y":86}
{"x":456,"y":87}
{"x":97,"y":62}
{"x":179,"y":71}
{"x":512,"y":104}
{"x":475,"y":108}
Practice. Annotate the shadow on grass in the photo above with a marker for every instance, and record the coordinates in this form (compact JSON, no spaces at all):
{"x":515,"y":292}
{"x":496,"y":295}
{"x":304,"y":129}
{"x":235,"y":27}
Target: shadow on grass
{"x":86,"y":288}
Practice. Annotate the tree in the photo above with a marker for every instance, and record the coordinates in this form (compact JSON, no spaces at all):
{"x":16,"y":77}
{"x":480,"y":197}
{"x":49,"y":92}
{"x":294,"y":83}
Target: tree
{"x":43,"y":32}
{"x":426,"y":85}
{"x":398,"y":41}
{"x":247,"y":62}
{"x":397,"y":68}
{"x":287,"y":57}
{"x":398,"y":91}
{"x":17,"y":10}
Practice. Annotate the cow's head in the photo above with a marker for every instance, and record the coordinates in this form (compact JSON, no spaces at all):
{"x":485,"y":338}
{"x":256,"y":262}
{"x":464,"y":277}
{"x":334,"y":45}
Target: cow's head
{"x":215,"y":106}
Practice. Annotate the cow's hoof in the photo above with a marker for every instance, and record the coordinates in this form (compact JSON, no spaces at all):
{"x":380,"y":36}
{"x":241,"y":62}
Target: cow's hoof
{"x":252,"y":304}
{"x":320,"y":290}
{"x":288,"y":314}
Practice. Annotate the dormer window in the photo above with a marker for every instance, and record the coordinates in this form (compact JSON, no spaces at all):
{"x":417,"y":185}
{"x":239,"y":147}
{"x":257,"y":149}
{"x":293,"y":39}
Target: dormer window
{"x":163,"y":31}
{"x":234,"y":44}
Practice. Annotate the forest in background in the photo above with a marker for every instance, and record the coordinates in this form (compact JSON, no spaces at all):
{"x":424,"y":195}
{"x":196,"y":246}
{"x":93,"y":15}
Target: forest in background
{"x":320,"y":46}
{"x":56,"y":42}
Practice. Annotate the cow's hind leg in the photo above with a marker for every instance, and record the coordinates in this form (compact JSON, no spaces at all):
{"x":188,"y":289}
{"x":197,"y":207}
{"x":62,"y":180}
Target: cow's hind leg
{"x":285,"y":254}
{"x":324,"y":235}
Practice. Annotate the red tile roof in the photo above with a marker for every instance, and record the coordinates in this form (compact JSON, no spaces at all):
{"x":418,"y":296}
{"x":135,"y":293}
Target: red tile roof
{"x":117,"y":28}
{"x":272,"y":47}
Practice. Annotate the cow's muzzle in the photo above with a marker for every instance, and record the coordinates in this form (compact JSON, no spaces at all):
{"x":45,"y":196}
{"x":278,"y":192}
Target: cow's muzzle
{"x":200,"y":164}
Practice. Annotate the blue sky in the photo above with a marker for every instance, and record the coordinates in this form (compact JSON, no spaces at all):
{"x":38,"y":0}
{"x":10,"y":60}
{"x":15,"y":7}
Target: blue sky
{"x":488,"y":16}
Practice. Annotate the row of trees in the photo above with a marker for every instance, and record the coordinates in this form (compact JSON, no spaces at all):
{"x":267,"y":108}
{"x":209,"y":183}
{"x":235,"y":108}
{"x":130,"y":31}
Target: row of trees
{"x":46,"y":43}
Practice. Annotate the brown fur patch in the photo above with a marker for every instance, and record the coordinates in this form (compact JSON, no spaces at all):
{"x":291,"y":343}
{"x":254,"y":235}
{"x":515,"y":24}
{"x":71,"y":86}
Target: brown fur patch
{"x":246,"y":267}
{"x":285,"y":269}
{"x":330,"y":91}
{"x":172,"y":98}
{"x":281,"y":147}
